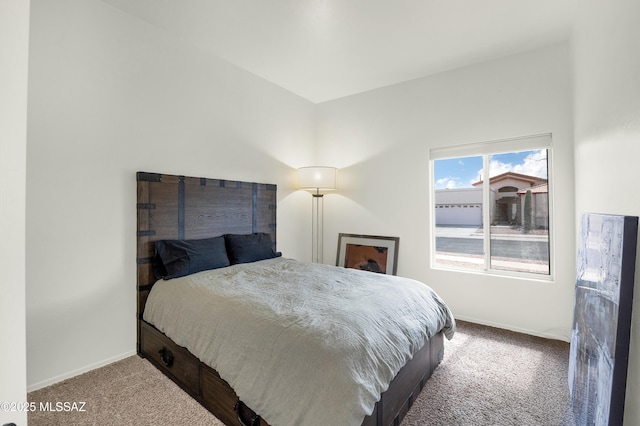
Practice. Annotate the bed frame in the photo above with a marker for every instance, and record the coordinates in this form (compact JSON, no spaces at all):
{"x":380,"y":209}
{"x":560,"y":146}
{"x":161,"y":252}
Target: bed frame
{"x":180,"y":207}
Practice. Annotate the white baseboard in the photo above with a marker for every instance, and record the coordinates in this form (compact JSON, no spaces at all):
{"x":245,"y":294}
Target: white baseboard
{"x":79,"y":371}
{"x":552,"y":334}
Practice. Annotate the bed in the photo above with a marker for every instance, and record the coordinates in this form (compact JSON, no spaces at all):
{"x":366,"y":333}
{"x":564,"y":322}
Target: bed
{"x":297,"y":384}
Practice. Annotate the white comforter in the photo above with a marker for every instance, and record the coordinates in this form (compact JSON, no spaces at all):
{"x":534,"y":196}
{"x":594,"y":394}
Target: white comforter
{"x":300,"y":343}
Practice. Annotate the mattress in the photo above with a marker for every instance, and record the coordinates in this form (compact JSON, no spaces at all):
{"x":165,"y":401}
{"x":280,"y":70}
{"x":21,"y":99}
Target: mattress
{"x":300,"y":343}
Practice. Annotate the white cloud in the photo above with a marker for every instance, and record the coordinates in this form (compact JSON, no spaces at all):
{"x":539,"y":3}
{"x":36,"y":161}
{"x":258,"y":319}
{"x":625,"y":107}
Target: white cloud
{"x":497,"y":168}
{"x":534,"y":164}
{"x":476,"y":179}
{"x":447,"y":182}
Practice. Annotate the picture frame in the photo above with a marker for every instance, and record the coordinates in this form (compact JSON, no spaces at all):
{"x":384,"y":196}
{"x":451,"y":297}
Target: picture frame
{"x":368,"y":253}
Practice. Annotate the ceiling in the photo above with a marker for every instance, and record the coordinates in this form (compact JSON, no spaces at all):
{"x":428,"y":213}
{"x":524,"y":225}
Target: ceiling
{"x":326,"y":49}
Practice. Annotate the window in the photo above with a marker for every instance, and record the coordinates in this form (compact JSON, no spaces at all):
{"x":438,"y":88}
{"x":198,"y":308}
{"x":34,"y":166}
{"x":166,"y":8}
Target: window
{"x":507,"y":184}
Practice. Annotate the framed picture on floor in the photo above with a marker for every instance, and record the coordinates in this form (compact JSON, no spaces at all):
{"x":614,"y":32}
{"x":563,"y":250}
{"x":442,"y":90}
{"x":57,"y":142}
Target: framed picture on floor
{"x":601,"y":330}
{"x":368,"y":253}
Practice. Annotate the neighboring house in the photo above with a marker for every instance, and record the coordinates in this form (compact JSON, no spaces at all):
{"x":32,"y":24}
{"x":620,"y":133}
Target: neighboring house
{"x":463,"y":207}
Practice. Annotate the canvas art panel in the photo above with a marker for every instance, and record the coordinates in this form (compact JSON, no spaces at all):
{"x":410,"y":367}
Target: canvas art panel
{"x":602,"y":318}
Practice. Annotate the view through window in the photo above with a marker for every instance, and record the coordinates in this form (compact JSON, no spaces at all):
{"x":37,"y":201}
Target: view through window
{"x":492,"y":212}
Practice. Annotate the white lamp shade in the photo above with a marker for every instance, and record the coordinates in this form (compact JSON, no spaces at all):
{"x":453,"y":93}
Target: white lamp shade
{"x":318,"y":177}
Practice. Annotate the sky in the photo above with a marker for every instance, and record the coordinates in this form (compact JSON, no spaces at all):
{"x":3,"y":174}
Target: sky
{"x":463,"y":172}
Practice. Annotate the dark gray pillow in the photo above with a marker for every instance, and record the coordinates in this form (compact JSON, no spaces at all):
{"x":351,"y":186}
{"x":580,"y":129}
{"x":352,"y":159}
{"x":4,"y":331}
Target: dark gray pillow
{"x":177,"y":258}
{"x":249,"y":248}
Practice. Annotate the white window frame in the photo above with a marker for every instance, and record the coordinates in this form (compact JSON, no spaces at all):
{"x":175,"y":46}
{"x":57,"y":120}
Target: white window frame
{"x":484,"y":149}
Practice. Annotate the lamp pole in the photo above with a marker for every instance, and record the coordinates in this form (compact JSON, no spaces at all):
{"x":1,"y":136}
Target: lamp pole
{"x":317,"y":178}
{"x":317,"y":222}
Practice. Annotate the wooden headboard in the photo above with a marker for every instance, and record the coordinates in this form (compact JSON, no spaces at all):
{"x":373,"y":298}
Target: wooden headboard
{"x":181,"y":207}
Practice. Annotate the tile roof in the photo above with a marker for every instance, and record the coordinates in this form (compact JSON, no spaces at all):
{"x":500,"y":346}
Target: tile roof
{"x":527,"y":178}
{"x":538,"y":189}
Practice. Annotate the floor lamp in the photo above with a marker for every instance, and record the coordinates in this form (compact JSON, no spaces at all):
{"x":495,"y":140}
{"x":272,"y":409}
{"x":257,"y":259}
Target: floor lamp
{"x":316,"y":179}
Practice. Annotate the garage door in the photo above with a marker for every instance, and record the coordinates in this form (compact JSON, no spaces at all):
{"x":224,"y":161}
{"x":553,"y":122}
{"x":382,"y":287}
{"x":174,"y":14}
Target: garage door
{"x":456,"y":214}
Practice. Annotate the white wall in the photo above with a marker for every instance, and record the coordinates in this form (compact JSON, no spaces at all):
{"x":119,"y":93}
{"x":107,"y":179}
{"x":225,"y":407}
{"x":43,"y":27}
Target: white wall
{"x":606,"y":44}
{"x":14,"y":49}
{"x":109,"y":96}
{"x":380,"y":140}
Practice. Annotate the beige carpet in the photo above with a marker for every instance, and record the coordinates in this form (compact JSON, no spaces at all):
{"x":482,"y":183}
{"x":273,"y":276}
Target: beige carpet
{"x":488,"y":377}
{"x":496,"y":377}
{"x":127,"y":392}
